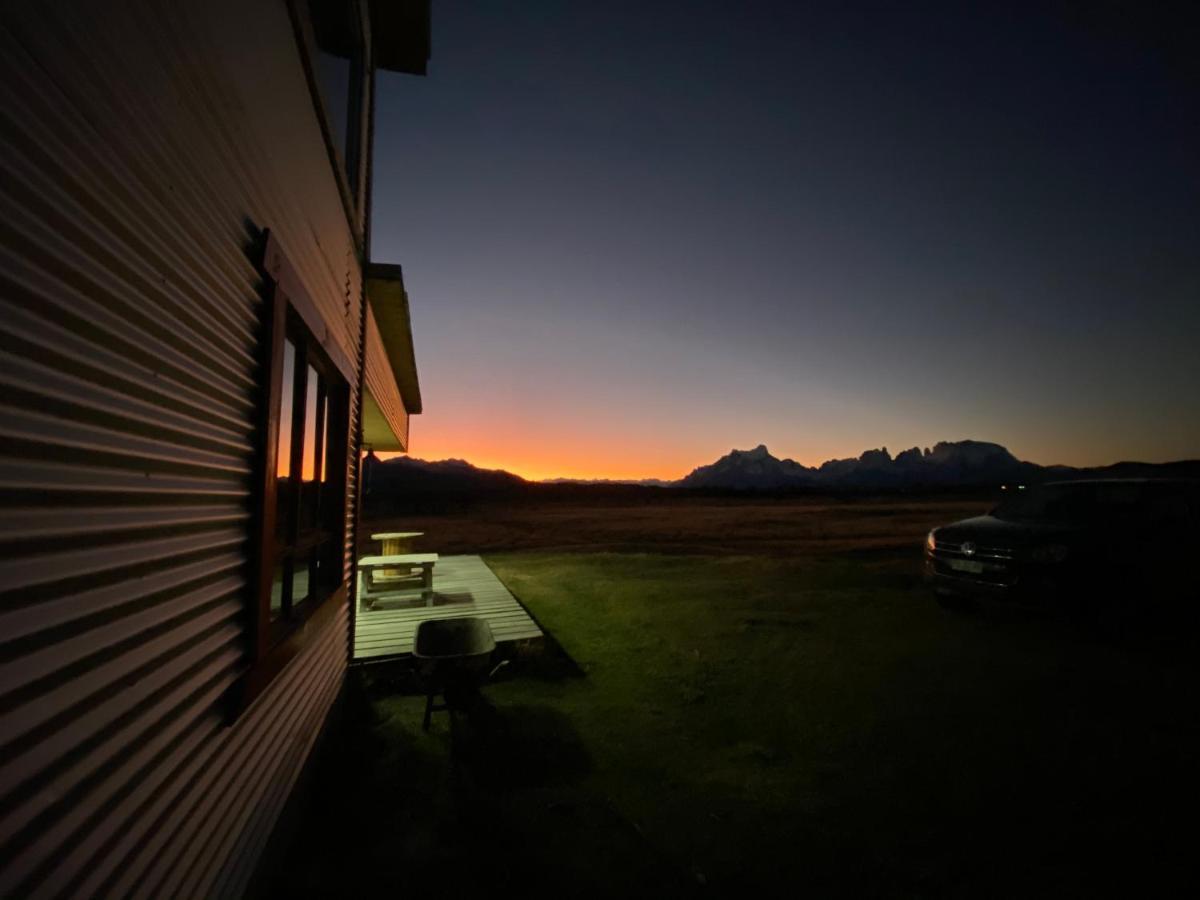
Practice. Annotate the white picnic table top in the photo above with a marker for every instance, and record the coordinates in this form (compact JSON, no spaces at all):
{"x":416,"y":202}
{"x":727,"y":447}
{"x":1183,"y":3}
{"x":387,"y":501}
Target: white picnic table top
{"x":399,"y":559}
{"x":396,"y":535}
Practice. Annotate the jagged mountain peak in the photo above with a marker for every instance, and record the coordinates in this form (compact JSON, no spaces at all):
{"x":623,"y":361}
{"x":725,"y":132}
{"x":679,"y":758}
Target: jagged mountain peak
{"x":753,"y":469}
{"x":949,"y":462}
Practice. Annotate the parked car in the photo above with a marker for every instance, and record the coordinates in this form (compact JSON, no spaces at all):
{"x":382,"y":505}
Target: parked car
{"x":1083,"y":544}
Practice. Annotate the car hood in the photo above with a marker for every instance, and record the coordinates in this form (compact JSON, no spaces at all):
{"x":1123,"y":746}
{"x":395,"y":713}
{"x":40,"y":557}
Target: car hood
{"x":988,"y":530}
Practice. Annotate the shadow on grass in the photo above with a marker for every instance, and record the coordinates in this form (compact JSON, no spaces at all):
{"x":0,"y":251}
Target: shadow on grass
{"x":551,"y":664}
{"x":514,"y":748}
{"x":490,"y":799}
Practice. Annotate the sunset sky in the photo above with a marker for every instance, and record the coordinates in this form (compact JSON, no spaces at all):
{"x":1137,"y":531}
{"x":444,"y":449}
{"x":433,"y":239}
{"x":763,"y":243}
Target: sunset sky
{"x":636,"y":235}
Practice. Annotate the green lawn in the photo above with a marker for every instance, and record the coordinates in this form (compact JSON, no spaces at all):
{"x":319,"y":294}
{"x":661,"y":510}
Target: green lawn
{"x":726,"y":724}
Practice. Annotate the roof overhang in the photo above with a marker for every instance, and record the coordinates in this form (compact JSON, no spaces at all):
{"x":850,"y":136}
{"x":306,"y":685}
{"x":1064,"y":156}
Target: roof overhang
{"x":389,"y":303}
{"x":400,"y":35}
{"x":379,"y":431}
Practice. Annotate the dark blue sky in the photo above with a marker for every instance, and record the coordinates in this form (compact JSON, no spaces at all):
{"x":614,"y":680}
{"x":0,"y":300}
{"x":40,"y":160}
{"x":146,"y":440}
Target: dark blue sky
{"x":636,"y":235}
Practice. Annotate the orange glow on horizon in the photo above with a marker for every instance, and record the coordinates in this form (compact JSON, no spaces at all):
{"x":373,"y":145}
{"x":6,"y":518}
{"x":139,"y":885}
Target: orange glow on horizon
{"x":537,"y":450}
{"x":541,"y":469}
{"x":536,"y":460}
{"x":583,"y":443}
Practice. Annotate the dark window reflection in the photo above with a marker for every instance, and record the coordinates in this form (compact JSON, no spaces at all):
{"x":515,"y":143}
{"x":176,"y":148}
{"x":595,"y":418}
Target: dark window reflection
{"x":283,"y":461}
{"x":325,"y":437}
{"x":301,"y":578}
{"x":277,"y":586}
{"x":308,"y":469}
{"x":310,"y":477}
{"x":337,"y":67}
{"x":333,"y":75}
{"x":284,"y":446}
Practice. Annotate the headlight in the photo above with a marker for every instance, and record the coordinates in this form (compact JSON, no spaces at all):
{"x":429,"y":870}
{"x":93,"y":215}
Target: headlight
{"x":930,"y":542}
{"x":1053,"y":553}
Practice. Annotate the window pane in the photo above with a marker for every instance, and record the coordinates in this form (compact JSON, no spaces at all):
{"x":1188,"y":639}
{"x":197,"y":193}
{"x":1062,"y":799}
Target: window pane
{"x":325,"y":438}
{"x":336,"y":34}
{"x":319,"y":475}
{"x":277,"y":593}
{"x":333,"y":75}
{"x":310,"y":427}
{"x":284,"y":446}
{"x":327,"y":567}
{"x":308,"y":490}
{"x":301,"y":579}
{"x":321,"y":566}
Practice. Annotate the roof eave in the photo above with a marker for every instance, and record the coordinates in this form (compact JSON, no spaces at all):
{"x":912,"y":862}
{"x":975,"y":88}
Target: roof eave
{"x":401,"y":35}
{"x":389,"y":302}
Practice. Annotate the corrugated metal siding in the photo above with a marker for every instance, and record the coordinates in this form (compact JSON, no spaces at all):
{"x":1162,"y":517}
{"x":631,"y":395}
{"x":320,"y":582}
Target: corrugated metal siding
{"x":382,"y":384}
{"x":136,"y":141}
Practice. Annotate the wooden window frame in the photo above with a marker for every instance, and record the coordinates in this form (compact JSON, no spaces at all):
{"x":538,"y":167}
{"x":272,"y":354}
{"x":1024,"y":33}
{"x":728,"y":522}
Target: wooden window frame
{"x":290,"y":314}
{"x":326,"y":499}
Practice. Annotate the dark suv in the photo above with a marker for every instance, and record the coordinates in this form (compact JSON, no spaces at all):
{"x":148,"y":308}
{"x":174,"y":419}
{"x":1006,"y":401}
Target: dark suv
{"x":1084,"y":543}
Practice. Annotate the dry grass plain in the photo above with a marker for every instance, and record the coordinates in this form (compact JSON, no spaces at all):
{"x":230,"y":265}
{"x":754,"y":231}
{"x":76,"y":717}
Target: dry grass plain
{"x":666,"y":523}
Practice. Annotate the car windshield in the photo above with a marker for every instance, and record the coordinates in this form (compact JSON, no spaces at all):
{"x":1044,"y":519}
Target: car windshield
{"x":1088,"y":502}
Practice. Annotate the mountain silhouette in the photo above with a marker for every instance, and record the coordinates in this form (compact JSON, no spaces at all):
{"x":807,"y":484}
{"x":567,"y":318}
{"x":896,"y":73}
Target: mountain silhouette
{"x":965,"y":463}
{"x":949,"y":464}
{"x":448,"y":476}
{"x":750,"y":470}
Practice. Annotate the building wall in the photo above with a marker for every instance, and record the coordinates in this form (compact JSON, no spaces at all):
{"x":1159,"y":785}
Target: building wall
{"x":139,"y":142}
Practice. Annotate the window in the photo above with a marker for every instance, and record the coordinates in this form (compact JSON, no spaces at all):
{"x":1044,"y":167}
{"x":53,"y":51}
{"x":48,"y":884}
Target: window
{"x":302,"y":464}
{"x":308,"y":513}
{"x":332,"y":33}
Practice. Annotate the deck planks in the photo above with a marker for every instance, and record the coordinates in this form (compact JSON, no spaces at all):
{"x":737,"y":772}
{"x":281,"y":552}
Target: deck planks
{"x":463,"y":586}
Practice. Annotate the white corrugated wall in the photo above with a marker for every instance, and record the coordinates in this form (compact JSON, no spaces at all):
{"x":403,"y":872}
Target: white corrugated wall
{"x":138,"y":141}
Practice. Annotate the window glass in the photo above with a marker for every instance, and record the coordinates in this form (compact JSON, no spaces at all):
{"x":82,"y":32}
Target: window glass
{"x":308,"y":469}
{"x":277,"y":593}
{"x":335,"y":67}
{"x":283,"y":461}
{"x":300,"y":578}
{"x":330,"y":478}
{"x":333,"y":75}
{"x":284,"y":448}
{"x":325,"y":436}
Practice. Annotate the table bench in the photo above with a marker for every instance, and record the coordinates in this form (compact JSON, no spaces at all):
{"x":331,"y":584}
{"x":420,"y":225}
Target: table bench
{"x":413,"y":567}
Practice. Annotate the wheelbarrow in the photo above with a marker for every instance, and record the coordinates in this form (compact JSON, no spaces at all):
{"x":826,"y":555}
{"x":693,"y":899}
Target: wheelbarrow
{"x":453,"y":659}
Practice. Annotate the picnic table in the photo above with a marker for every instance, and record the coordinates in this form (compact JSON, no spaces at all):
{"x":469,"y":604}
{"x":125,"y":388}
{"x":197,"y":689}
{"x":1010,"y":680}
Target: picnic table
{"x":393,"y":543}
{"x":394,"y":571}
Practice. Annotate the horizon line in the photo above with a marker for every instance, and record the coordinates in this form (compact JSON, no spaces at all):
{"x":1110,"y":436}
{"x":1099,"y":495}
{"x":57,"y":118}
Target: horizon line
{"x":388,"y":455}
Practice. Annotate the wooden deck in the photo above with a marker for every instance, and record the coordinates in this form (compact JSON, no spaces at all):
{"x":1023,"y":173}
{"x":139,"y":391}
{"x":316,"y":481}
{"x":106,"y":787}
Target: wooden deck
{"x":462,"y":586}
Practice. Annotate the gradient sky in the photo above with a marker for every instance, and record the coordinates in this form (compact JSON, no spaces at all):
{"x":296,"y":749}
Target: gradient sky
{"x":636,"y":235}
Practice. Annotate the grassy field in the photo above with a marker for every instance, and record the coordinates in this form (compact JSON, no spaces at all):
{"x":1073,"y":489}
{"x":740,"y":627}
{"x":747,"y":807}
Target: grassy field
{"x":803,"y":719}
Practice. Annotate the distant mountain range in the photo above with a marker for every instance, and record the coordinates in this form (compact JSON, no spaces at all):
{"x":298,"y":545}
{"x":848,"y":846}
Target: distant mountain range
{"x":948,"y":464}
{"x":640,"y":482}
{"x":403,"y":473}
